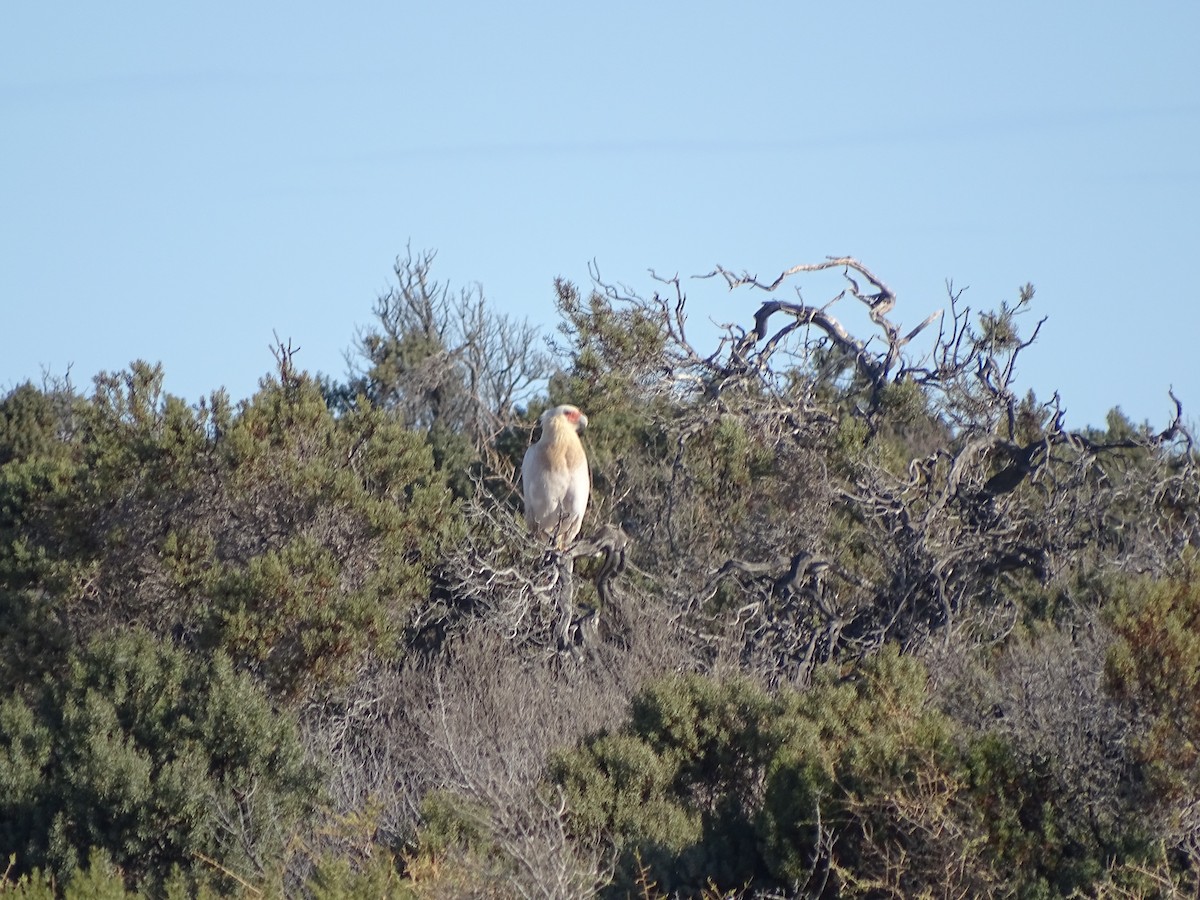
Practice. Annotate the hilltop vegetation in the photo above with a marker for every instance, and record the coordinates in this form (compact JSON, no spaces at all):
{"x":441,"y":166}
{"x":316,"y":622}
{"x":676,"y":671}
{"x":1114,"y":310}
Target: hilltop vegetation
{"x":844,"y":620}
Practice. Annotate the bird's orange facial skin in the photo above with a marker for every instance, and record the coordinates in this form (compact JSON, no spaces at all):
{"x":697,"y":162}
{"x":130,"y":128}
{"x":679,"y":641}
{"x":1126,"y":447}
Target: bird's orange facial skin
{"x":572,"y":416}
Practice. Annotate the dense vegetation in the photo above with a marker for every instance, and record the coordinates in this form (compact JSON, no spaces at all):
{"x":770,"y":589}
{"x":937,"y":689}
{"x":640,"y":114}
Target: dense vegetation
{"x":845,"y":619}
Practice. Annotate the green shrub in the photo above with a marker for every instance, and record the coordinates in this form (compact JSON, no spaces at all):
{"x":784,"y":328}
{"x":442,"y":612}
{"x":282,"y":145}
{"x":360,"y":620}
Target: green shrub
{"x":854,"y":787}
{"x":1153,"y":669}
{"x":376,"y":879}
{"x":292,"y":540}
{"x":719,"y":781}
{"x":153,"y":757}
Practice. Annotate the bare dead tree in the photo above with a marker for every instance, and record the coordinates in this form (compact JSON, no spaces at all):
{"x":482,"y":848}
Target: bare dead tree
{"x":285,"y":360}
{"x":1003,"y":499}
{"x":875,"y":367}
{"x":476,"y":722}
{"x":446,"y":358}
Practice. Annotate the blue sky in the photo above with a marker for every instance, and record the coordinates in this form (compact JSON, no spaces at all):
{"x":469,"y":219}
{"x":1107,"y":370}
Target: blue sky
{"x":179,"y":181}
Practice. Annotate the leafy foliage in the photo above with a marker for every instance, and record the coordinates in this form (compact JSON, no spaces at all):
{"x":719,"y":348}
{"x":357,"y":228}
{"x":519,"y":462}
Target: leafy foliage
{"x":718,"y":782}
{"x":286,"y":538}
{"x":151,"y":755}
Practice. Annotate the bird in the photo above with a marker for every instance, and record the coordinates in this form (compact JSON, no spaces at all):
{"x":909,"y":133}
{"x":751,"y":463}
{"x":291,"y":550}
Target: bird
{"x":555,"y":479}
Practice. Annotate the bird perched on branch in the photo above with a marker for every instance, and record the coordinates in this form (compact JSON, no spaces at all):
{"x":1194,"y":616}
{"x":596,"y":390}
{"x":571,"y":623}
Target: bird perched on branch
{"x":555,"y":477}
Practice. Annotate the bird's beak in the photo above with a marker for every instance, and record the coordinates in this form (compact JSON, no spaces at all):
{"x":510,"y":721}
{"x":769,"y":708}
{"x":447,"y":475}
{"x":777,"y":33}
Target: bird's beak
{"x":583,"y":420}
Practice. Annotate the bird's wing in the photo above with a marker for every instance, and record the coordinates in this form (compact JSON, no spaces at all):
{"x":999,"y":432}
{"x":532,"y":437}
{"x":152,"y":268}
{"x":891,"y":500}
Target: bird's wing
{"x":581,"y":487}
{"x":532,"y":486}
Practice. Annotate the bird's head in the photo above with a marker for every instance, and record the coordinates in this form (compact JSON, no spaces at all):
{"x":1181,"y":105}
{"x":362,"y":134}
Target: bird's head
{"x":571,"y":415}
